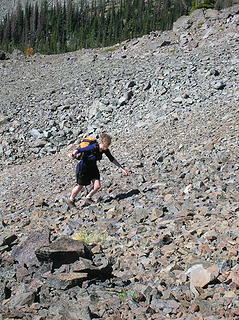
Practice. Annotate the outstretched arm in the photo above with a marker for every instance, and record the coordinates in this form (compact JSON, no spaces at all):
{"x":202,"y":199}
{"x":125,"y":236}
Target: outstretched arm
{"x":115,"y":162}
{"x":125,"y":171}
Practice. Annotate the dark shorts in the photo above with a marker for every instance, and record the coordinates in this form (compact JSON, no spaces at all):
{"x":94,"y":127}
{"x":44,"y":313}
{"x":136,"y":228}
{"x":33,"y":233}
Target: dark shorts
{"x":85,"y":175}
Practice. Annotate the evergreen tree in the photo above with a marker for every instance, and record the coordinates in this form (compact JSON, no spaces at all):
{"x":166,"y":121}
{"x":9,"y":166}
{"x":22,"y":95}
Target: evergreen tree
{"x":69,"y":25}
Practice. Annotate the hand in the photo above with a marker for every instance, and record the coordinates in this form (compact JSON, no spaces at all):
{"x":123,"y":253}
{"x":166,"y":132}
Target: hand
{"x":72,"y":154}
{"x":126,"y":172}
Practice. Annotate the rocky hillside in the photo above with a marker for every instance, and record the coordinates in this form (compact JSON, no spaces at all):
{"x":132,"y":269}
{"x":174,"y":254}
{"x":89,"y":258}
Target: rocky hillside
{"x":161,"y":243}
{"x":9,"y":5}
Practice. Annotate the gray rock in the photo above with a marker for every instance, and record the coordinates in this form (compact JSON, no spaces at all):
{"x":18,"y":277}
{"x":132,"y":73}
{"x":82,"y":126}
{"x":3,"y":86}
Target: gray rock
{"x":125,"y":98}
{"x":25,"y":252}
{"x":8,"y":273}
{"x":3,"y":119}
{"x":183,"y":23}
{"x":211,"y":14}
{"x":17,"y":53}
{"x":39,"y":143}
{"x":35,"y":133}
{"x":68,"y":231}
{"x":2,"y":55}
{"x":219,"y":85}
{"x":165,"y":306}
{"x":178,"y":100}
{"x":70,"y":310}
{"x":63,"y":250}
{"x":95,"y":107}
{"x":22,"y":299}
{"x":76,"y":313}
{"x":63,"y":281}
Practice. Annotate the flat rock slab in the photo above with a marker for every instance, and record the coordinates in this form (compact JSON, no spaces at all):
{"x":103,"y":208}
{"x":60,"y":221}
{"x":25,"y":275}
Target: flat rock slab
{"x":234,"y":275}
{"x":22,"y":299}
{"x":25,"y":252}
{"x":70,"y":311}
{"x":64,"y":281}
{"x":200,"y":276}
{"x":63,"y":251}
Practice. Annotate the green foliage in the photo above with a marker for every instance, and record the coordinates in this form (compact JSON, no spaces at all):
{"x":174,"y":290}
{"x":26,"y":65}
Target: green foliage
{"x":200,"y":24}
{"x":205,"y":4}
{"x":220,"y":4}
{"x":69,"y":25}
{"x":126,"y":294}
{"x":90,"y":238}
{"x":108,"y":49}
{"x":201,"y":6}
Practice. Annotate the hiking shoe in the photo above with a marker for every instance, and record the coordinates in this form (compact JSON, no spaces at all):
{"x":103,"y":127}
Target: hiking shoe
{"x":71,"y":204}
{"x":89,"y":201}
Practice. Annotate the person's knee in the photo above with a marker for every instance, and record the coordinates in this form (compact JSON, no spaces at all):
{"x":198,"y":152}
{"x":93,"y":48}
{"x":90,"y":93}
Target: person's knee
{"x":97,"y":186}
{"x":77,"y":189}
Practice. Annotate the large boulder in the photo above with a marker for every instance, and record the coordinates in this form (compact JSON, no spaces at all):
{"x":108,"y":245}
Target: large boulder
{"x":183,"y":23}
{"x":63,"y":251}
{"x":25,"y":252}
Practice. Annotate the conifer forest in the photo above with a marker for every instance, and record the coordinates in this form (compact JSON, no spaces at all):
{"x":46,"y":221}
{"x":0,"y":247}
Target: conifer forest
{"x":70,"y":25}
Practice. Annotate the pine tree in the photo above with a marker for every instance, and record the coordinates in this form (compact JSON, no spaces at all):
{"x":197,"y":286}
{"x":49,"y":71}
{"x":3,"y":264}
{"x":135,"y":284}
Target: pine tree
{"x":68,"y":26}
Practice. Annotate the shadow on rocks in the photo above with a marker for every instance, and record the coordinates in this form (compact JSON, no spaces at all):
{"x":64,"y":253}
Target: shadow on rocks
{"x":122,"y":196}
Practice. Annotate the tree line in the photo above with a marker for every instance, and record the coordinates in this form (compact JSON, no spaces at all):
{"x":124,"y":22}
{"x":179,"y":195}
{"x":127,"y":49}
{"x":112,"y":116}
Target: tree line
{"x":68,"y":26}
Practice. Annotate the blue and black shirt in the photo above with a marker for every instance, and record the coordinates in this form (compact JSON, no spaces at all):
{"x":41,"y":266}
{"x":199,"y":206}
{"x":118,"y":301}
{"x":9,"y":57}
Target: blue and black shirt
{"x":90,"y":155}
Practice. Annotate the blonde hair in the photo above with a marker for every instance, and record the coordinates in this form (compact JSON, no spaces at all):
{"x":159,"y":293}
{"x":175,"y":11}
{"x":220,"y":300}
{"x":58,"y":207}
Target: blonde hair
{"x":105,"y":138}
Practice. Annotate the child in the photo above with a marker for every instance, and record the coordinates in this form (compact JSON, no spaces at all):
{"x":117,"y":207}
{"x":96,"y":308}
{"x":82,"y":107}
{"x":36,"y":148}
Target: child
{"x":87,"y":171}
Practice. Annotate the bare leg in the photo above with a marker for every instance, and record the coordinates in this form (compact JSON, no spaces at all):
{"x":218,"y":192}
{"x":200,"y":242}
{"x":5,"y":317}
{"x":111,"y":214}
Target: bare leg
{"x":75,"y":191}
{"x":96,"y":187}
{"x":91,"y":187}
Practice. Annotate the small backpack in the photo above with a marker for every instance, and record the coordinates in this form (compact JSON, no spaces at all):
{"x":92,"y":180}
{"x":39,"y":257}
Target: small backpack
{"x":85,"y":143}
